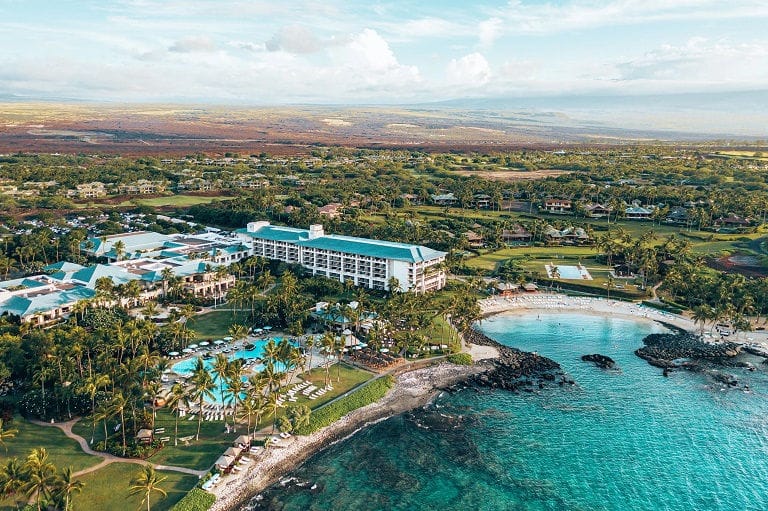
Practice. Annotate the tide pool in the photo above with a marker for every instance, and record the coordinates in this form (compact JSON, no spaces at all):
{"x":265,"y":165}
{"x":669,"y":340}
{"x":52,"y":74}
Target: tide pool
{"x":623,"y":440}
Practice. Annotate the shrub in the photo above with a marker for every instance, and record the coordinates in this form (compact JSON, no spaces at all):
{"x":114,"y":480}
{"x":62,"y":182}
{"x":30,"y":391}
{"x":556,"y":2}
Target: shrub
{"x":334,"y":411}
{"x":461,"y":359}
{"x":195,"y":500}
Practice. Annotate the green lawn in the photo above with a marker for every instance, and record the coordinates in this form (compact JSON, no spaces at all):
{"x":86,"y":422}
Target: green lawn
{"x":215,"y":324}
{"x":343,"y":379}
{"x":63,"y":452}
{"x":174,"y":200}
{"x":491,"y":260}
{"x":198,"y":455}
{"x":107,"y":488}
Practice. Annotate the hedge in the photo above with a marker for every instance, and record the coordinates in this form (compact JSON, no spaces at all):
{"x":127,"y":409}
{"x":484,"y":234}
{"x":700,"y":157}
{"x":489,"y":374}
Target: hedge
{"x":196,"y":500}
{"x":461,"y":359}
{"x":358,"y":398}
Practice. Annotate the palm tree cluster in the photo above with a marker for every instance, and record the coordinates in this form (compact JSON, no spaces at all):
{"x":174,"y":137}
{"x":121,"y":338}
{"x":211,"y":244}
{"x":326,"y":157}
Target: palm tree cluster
{"x":250,"y":398}
{"x":37,"y":479}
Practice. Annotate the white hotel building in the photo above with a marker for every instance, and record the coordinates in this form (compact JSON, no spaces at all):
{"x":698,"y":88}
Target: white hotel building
{"x":368,"y":263}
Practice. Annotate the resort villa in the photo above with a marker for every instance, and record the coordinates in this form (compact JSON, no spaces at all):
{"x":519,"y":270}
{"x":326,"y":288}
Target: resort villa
{"x":146,"y":257}
{"x":366,"y":262}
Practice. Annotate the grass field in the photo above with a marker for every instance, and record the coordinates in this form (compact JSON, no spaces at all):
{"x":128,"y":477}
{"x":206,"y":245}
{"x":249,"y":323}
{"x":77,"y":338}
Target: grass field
{"x":491,"y":260}
{"x":174,"y":200}
{"x":63,"y":452}
{"x":107,"y":488}
{"x":215,"y":324}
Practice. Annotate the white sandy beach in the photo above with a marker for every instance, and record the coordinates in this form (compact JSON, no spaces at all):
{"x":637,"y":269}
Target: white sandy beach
{"x":552,"y":302}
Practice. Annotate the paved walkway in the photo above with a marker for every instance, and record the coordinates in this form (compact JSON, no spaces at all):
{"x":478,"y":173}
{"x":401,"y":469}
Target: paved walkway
{"x":66,"y":427}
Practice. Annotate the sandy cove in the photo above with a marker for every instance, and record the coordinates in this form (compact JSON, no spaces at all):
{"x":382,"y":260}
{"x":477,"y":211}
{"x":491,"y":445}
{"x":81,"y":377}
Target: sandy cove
{"x":546,"y":303}
{"x":411,"y":390}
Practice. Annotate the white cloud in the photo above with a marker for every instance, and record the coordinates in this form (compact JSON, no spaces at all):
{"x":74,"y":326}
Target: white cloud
{"x":471,"y":71}
{"x":295,"y":39}
{"x":530,"y":17}
{"x":699,"y":60}
{"x":194,"y":44}
{"x":489,"y":30}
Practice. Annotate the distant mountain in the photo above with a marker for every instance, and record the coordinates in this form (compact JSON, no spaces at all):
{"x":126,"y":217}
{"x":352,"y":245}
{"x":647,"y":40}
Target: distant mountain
{"x":741,"y":114}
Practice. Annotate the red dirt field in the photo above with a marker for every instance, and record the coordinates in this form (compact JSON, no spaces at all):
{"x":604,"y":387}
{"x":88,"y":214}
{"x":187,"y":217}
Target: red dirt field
{"x":138,"y":130}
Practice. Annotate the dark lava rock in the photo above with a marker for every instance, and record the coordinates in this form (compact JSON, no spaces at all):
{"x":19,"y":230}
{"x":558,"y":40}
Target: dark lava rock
{"x":515,"y":369}
{"x":600,"y":361}
{"x":685,"y":350}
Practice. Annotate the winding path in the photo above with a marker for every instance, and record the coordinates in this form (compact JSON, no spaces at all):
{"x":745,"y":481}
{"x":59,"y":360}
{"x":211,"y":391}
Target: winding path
{"x":66,"y":427}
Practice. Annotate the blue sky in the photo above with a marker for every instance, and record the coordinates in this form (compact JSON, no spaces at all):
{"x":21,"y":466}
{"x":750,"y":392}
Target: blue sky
{"x":332,"y":51}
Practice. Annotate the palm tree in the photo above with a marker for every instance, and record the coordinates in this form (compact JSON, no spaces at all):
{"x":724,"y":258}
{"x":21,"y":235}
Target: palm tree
{"x":146,"y":483}
{"x":202,"y":388}
{"x":166,"y":274}
{"x":271,"y":406}
{"x":177,"y":399}
{"x":238,"y":332}
{"x":328,"y":342}
{"x":41,"y":475}
{"x":66,"y":486}
{"x":117,"y":407}
{"x":13,"y":477}
{"x":298,"y":416}
{"x":151,"y":391}
{"x":221,"y":369}
{"x":309,"y":344}
{"x":6,"y":434}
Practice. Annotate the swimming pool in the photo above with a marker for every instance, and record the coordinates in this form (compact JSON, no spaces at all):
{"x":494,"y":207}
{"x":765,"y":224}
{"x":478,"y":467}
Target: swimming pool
{"x":185,"y":368}
{"x":569,"y":272}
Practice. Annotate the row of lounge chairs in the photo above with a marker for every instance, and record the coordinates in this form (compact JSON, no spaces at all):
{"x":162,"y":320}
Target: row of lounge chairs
{"x":320,"y":392}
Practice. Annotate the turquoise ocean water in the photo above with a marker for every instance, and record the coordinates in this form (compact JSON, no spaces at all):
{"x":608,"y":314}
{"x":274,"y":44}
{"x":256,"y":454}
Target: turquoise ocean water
{"x":624,"y":440}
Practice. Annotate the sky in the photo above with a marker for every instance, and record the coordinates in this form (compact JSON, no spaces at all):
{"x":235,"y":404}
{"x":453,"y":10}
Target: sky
{"x":377,"y":52}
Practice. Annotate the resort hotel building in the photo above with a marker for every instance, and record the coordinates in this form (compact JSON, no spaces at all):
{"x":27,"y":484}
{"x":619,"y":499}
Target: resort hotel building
{"x":366,"y":262}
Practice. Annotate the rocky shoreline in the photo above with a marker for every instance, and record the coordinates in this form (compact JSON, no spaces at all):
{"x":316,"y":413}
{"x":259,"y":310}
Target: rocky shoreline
{"x":678,"y":350}
{"x":514,"y":369}
{"x":688,"y":351}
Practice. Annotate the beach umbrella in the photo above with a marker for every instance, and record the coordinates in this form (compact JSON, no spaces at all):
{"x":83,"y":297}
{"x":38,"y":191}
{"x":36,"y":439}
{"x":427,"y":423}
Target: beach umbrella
{"x":267,"y":327}
{"x":228,"y":338}
{"x":173,"y":353}
{"x":384,"y":350}
{"x":259,"y":330}
{"x":193,"y":346}
{"x":204,"y":343}
{"x":217,"y":342}
{"x":187,"y":350}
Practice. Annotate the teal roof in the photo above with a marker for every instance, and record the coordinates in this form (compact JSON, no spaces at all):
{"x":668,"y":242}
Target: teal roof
{"x":348,"y":244}
{"x":20,"y":306}
{"x":63,"y":266}
{"x":89,"y":276}
{"x":133,"y":241}
{"x":24,"y":282}
{"x":278,"y":233}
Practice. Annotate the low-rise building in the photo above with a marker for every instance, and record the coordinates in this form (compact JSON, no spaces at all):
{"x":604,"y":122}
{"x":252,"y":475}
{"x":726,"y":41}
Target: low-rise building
{"x":558,"y":206}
